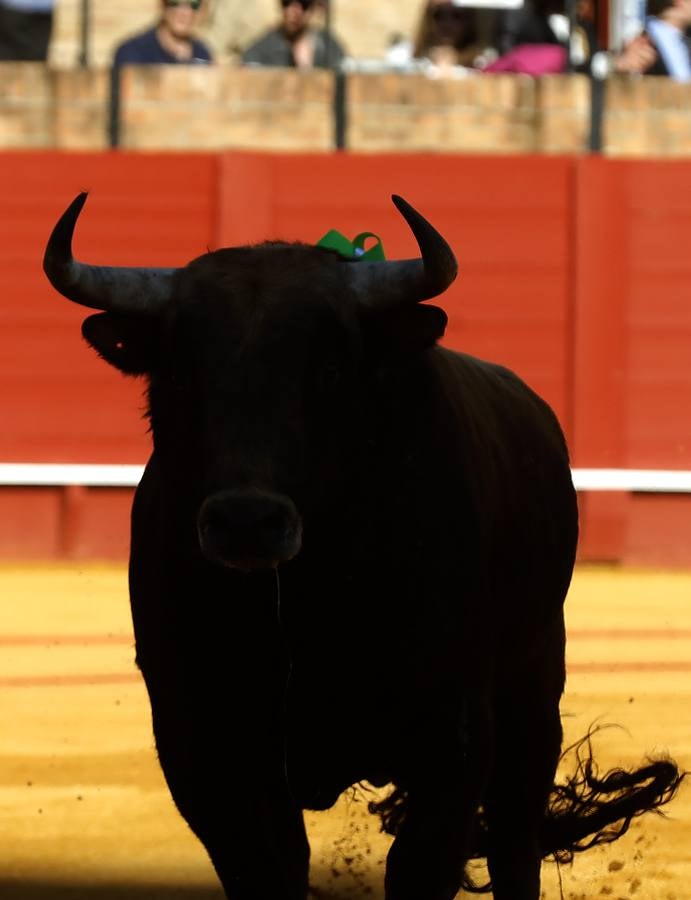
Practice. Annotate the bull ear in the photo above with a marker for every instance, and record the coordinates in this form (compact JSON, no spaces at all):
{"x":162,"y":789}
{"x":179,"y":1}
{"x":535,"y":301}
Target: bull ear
{"x":406,"y":329}
{"x":127,"y":342}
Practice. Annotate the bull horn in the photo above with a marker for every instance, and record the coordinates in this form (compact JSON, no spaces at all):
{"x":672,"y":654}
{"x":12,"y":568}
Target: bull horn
{"x":387,"y":284}
{"x":142,"y":291}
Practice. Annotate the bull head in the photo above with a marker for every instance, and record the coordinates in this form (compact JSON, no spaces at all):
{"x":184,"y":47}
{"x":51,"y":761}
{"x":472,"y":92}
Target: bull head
{"x":246,"y":518}
{"x":145,"y":291}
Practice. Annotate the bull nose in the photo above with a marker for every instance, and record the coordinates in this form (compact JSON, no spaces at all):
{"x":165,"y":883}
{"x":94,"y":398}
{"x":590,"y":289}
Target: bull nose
{"x":249,"y":529}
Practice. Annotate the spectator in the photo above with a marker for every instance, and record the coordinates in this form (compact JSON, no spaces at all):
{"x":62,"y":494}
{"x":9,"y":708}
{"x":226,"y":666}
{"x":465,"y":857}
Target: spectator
{"x":664,"y":47}
{"x":447,"y":35}
{"x":534,"y":39}
{"x":25,"y":28}
{"x":535,"y":22}
{"x":295,"y":42}
{"x":171,"y":40}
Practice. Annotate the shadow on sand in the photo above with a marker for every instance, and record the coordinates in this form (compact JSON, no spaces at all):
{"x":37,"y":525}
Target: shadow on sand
{"x":45,"y":890}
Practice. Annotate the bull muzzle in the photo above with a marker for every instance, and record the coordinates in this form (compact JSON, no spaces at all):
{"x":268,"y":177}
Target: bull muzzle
{"x":249,"y":529}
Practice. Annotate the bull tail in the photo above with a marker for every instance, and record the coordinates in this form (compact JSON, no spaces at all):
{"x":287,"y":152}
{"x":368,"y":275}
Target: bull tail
{"x":586,"y":809}
{"x":583,"y":811}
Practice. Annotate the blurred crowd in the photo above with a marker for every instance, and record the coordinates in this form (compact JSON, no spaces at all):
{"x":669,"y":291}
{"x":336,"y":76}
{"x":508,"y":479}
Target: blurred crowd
{"x":451,"y":39}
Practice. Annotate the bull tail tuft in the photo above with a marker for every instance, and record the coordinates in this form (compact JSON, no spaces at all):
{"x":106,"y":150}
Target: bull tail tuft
{"x":587,"y":809}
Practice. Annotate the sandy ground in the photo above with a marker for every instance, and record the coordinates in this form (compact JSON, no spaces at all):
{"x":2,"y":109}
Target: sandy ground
{"x":85,"y":814}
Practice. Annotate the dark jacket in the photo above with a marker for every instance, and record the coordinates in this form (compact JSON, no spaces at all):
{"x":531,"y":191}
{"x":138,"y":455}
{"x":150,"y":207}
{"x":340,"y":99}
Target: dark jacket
{"x":146,"y":49}
{"x":273,"y":49}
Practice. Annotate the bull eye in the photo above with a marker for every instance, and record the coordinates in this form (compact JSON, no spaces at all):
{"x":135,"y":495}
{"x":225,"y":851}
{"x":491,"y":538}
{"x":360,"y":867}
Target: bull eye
{"x":119,"y":345}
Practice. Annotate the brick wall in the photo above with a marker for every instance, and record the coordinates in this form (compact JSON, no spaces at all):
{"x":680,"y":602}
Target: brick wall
{"x":211,"y":108}
{"x":40,"y":107}
{"x":563,"y":114}
{"x":80,"y":109}
{"x":226,"y":106}
{"x":648,"y":117}
{"x":25,"y":105}
{"x":416,"y":113}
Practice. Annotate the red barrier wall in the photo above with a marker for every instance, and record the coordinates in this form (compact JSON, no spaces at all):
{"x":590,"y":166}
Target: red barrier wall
{"x":59,"y":403}
{"x":632,"y":346}
{"x":574,"y":272}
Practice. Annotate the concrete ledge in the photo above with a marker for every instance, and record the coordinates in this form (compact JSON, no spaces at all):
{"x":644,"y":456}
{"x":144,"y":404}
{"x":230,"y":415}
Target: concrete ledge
{"x":45,"y":108}
{"x":221,"y":107}
{"x":212,"y":108}
{"x":411,"y":112}
{"x":81,"y":109}
{"x":26,"y":106}
{"x":647,"y":117}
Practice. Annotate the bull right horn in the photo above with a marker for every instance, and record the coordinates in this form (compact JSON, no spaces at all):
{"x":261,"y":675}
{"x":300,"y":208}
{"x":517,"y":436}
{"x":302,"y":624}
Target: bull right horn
{"x":385,"y":284}
{"x":141,"y":291}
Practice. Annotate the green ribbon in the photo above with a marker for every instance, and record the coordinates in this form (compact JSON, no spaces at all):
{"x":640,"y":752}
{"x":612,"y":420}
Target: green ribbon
{"x":355,"y":249}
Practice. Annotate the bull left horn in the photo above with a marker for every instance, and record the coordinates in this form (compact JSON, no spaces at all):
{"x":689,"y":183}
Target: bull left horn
{"x":379,"y":285}
{"x":143,"y":291}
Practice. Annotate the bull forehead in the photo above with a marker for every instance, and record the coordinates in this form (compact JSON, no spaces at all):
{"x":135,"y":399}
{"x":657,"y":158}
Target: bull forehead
{"x":246,"y":302}
{"x":274,"y":277}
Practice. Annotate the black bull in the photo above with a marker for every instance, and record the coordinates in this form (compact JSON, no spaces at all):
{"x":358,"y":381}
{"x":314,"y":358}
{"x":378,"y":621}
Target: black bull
{"x":350,"y":553}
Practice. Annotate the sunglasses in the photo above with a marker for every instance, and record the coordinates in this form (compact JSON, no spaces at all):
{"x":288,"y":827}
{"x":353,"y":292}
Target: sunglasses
{"x":193,"y":4}
{"x":305,"y":4}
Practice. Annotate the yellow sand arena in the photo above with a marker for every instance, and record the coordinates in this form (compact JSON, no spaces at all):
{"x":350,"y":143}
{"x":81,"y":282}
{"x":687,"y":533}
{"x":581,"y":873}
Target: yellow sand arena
{"x":85,"y":814}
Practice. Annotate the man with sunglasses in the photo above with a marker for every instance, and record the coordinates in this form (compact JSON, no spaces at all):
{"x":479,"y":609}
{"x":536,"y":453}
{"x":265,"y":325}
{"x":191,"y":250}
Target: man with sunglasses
{"x":295,"y":42}
{"x":171,"y":40}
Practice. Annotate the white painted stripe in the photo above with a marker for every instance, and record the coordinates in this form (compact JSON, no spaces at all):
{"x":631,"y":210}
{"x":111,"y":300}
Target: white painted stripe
{"x":649,"y":480}
{"x":63,"y":474}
